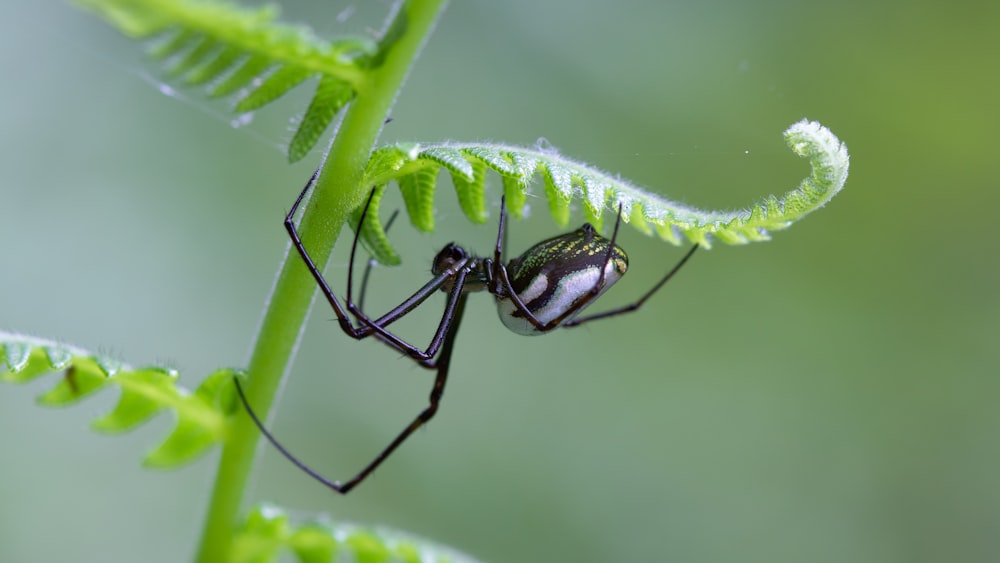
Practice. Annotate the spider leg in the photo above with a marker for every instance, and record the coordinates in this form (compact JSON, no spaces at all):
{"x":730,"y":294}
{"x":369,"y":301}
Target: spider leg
{"x":371,"y":263}
{"x":293,"y":234}
{"x":499,"y":281}
{"x":442,"y":365}
{"x":368,"y":326}
{"x":497,"y":264}
{"x":335,"y":485}
{"x":638,"y":303}
{"x":377,"y":327}
{"x":424,"y":357}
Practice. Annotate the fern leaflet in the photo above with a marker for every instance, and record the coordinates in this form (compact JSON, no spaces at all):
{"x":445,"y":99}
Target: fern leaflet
{"x":202,"y":415}
{"x":267,"y":531}
{"x":233,"y":49}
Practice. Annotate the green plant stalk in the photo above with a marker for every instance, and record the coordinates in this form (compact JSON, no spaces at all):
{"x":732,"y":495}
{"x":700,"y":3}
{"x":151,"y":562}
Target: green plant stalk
{"x":338,"y":190}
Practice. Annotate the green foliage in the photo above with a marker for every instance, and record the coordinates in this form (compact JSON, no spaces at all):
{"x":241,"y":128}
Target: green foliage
{"x":415,"y":168}
{"x":267,"y":531}
{"x":233,"y":49}
{"x":202,"y":416}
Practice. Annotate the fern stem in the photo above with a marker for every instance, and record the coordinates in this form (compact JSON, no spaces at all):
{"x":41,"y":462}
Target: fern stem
{"x":338,"y":190}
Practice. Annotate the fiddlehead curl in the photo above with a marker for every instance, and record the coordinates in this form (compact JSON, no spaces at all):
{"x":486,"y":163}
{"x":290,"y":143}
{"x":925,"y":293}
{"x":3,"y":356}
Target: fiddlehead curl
{"x":415,"y":168}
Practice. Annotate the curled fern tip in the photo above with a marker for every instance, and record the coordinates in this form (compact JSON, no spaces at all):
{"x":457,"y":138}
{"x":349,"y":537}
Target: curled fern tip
{"x":415,"y":168}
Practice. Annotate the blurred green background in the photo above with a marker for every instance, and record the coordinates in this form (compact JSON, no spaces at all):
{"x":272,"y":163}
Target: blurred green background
{"x":827,"y":396}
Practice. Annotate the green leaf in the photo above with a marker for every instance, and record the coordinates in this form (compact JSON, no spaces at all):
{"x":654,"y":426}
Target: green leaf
{"x":373,"y":237}
{"x":271,"y":88}
{"x":236,"y":47}
{"x":471,"y":193}
{"x":202,"y":416}
{"x":244,"y":71}
{"x":267,"y":531}
{"x":331,"y":96}
{"x":213,"y":67}
{"x":415,"y":168}
{"x":194,"y":57}
{"x":418,"y":193}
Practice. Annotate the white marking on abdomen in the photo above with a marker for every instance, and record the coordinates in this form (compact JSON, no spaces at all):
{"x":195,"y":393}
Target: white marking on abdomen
{"x":571,"y":289}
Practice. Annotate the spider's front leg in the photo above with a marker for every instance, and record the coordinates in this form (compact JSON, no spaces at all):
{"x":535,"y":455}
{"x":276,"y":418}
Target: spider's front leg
{"x":338,"y":309}
{"x":453,"y":274}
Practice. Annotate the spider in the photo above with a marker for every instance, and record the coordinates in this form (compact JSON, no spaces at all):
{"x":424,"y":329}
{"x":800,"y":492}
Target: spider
{"x":543,"y":289}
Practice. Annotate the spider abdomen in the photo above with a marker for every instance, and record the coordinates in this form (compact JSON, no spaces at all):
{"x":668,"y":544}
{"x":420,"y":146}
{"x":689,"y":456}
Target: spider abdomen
{"x":554,"y":275}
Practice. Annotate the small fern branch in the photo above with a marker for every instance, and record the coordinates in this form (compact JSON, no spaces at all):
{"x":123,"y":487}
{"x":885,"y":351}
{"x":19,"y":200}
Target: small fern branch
{"x":267,"y":531}
{"x":415,"y":168}
{"x":202,"y":416}
{"x":233,"y":49}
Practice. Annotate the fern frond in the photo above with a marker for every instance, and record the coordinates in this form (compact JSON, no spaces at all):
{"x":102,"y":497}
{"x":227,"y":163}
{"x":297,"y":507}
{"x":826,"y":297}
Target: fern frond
{"x":267,"y":532}
{"x":202,"y":416}
{"x":415,"y":168}
{"x":232,"y":49}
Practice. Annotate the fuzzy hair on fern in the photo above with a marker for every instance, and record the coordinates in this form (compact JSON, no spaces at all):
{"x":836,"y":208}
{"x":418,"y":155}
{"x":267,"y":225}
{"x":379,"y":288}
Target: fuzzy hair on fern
{"x":415,"y":168}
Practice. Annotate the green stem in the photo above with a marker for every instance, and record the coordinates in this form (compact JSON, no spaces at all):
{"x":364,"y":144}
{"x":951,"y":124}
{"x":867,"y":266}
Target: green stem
{"x":337,"y":192}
